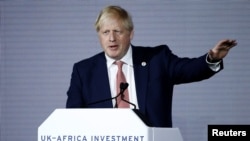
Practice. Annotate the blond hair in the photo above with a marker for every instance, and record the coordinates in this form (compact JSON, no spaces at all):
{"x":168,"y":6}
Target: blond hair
{"x":115,"y":12}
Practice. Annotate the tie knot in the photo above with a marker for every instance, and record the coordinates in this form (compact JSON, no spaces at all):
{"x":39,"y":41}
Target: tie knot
{"x":119,"y":64}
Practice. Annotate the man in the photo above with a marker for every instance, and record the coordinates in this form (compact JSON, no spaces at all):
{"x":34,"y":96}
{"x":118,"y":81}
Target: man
{"x":151,"y":72}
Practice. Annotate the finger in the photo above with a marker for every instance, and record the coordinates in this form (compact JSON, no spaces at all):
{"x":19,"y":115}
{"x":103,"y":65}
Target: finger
{"x":234,"y":42}
{"x":229,"y":43}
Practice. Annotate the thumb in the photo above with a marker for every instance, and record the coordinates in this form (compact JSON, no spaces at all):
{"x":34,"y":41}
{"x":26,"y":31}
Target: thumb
{"x":211,"y":54}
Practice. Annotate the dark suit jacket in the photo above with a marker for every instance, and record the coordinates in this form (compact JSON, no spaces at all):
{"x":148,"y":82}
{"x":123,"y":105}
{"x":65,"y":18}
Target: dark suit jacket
{"x":154,"y":82}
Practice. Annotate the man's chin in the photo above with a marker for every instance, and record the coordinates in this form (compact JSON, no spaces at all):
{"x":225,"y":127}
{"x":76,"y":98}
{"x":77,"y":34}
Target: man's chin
{"x":115,"y":57}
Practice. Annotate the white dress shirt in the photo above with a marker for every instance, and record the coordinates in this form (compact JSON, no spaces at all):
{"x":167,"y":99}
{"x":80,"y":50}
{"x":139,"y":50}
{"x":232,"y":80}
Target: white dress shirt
{"x":128,"y":71}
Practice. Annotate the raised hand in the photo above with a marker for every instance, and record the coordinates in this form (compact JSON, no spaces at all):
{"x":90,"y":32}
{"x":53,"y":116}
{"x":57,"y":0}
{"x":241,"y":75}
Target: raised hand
{"x":221,"y":49}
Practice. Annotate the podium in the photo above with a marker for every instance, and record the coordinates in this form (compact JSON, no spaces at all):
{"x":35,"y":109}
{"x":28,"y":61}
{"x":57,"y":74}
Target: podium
{"x":101,"y":125}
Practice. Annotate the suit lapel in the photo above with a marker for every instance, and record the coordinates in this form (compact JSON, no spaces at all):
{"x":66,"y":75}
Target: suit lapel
{"x":141,"y":76}
{"x":102,"y":87}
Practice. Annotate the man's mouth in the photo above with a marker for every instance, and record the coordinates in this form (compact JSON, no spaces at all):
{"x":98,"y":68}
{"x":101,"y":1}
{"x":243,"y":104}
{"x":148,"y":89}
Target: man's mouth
{"x":113,"y":46}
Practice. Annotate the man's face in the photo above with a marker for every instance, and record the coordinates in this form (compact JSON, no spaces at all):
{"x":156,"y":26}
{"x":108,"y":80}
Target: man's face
{"x":114,"y":38}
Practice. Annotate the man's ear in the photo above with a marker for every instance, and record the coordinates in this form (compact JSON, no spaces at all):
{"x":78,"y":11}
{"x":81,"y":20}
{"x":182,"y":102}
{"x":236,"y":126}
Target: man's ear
{"x":131,"y":34}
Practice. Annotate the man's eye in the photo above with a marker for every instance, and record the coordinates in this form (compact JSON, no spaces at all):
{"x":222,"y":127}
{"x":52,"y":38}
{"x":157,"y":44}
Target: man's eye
{"x":118,"y":32}
{"x":105,"y":32}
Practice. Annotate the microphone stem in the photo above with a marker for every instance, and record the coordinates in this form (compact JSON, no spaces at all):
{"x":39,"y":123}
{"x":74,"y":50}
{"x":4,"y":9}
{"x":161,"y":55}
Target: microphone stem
{"x":129,"y":103}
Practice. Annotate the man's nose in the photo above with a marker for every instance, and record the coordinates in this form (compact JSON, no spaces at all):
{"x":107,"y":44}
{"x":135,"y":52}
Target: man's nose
{"x":112,"y":37}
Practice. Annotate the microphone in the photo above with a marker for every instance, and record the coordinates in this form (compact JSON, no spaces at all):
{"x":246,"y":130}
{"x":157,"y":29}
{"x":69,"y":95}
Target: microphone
{"x":123,"y":87}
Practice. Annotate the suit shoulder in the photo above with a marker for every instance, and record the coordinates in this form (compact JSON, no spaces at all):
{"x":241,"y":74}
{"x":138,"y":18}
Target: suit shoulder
{"x":151,"y":49}
{"x":91,"y":60}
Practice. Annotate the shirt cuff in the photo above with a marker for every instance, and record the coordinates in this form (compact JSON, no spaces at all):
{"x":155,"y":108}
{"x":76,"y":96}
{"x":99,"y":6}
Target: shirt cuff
{"x":214,"y":66}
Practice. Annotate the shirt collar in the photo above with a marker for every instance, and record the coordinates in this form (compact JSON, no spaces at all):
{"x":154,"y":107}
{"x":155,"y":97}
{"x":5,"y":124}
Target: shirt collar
{"x":127,"y":59}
